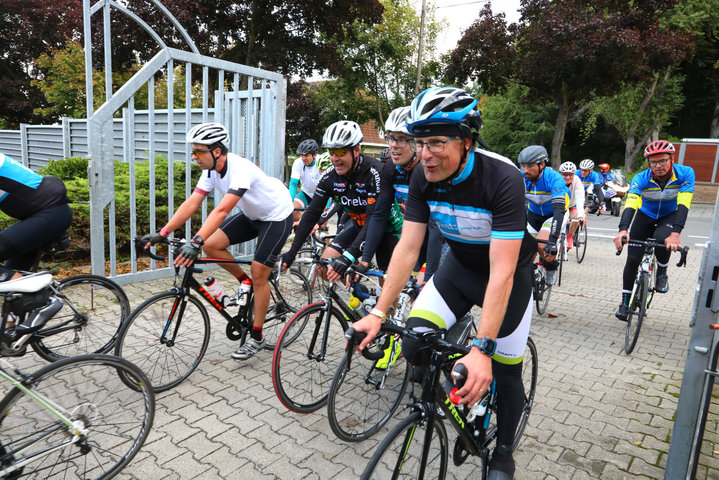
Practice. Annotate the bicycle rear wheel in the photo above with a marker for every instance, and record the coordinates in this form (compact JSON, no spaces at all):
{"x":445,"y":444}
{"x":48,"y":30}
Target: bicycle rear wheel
{"x":637,"y":311}
{"x":87,"y":389}
{"x":580,"y":242}
{"x":529,"y":378}
{"x":93,"y":310}
{"x":304,"y":363}
{"x":289,"y":293}
{"x":363,"y":397}
{"x":399,"y":456}
{"x":166,"y":338}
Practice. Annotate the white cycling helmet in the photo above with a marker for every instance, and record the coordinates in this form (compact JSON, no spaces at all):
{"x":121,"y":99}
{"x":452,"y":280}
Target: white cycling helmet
{"x":207,"y":134}
{"x":397,"y":120}
{"x":586,"y":164}
{"x":567,"y":167}
{"x":342,"y":134}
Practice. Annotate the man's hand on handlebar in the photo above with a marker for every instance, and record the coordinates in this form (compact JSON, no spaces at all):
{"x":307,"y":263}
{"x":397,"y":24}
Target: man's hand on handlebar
{"x":369,"y":324}
{"x":188,"y":254}
{"x":621,"y":238}
{"x":151,"y":239}
{"x":672,"y":242}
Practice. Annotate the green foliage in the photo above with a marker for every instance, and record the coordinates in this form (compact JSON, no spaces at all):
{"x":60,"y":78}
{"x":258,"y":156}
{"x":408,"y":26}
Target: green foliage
{"x":66,"y":169}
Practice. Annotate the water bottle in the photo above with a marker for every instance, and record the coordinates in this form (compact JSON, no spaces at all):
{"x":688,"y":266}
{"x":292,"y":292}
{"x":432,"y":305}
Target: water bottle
{"x":215,"y":289}
{"x":244,"y":290}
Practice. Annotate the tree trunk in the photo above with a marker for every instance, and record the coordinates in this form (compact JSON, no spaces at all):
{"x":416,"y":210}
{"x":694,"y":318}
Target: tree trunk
{"x":560,"y":127}
{"x":714,"y":132}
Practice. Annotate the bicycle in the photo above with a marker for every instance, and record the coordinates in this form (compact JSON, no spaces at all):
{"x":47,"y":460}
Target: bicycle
{"x":365,"y":393}
{"x":315,"y":245}
{"x":580,"y":241}
{"x":643,"y":290}
{"x":167,"y":340}
{"x":540,"y":290}
{"x":75,"y":417}
{"x":563,"y":250}
{"x":418,"y":447}
{"x":311,"y":346}
{"x":93,"y":308}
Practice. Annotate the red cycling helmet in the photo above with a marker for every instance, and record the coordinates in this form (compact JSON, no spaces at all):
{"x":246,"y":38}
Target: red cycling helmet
{"x":604,"y":167}
{"x":659,"y":146}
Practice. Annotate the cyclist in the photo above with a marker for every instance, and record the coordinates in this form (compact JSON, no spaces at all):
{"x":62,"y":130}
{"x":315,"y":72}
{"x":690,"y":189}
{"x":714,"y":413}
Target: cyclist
{"x":353,"y":183}
{"x":305,"y":175}
{"x":394,"y":187}
{"x":661,"y":196}
{"x":547,"y":198}
{"x":605,"y":174}
{"x":589,"y":177}
{"x":266,"y":214}
{"x":477,"y":199}
{"x":576,"y":198}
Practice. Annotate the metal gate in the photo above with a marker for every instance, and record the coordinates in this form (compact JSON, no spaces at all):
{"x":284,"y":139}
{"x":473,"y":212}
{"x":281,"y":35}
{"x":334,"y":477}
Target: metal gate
{"x":250,"y":102}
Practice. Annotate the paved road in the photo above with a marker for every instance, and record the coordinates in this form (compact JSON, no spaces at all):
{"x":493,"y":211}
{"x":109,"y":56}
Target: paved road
{"x":599,"y":414}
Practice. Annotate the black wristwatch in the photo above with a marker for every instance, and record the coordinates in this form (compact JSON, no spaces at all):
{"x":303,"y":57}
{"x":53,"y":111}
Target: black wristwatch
{"x":485,"y":345}
{"x":197,"y":240}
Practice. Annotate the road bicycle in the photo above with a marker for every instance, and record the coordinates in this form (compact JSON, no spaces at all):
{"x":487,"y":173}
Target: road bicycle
{"x":311,"y":346}
{"x":167,"y":335}
{"x":643,"y":289}
{"x":74,"y":418}
{"x":92,"y":311}
{"x":580,"y":241}
{"x":418,"y":446}
{"x":563,"y":247}
{"x":365,"y":392}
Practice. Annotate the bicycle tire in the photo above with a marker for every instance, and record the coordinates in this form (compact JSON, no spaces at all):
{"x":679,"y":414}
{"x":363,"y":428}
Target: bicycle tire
{"x":580,"y":242}
{"x":89,"y":391}
{"x":94,"y":308}
{"x":302,"y":382}
{"x":637,"y":311}
{"x":530,"y":369}
{"x":542,"y":291}
{"x":165,"y":364}
{"x":562,"y":258}
{"x":288,"y":294}
{"x":402,"y":449}
{"x":363,"y":398}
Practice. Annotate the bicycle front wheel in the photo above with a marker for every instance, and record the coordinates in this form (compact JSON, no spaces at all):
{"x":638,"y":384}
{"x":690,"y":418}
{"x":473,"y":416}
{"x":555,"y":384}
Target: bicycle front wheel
{"x":364,"y":394}
{"x":562,"y":258}
{"x":637,"y":311}
{"x":400,"y":455}
{"x":307,"y":354}
{"x":166,"y":336}
{"x":289,"y":293}
{"x":580,"y":242}
{"x":529,"y":378}
{"x":110,"y":421}
{"x":93,"y":310}
{"x":541,"y":294}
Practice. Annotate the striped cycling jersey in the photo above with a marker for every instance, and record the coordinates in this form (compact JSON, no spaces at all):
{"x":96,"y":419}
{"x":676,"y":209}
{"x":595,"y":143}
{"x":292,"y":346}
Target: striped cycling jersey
{"x":646,"y":195}
{"x":484,"y":202}
{"x":540,"y":193}
{"x":592,"y":179}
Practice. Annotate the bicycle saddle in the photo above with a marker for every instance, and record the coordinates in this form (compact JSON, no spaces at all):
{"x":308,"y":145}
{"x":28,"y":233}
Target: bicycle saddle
{"x":27,"y":284}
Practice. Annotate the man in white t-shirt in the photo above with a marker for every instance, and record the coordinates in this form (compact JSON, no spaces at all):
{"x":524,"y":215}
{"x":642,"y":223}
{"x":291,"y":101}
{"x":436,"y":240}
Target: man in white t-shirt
{"x":305,"y":175}
{"x":266,"y":208}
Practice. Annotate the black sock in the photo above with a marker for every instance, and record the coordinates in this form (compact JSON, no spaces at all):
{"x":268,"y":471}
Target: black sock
{"x":256,"y":333}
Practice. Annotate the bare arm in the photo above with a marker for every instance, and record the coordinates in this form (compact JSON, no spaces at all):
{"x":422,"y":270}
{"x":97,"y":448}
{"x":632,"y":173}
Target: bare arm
{"x":185,"y":211}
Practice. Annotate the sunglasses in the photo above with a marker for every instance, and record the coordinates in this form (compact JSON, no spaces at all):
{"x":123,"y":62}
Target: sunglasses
{"x":199,"y":151}
{"x":340,"y":152}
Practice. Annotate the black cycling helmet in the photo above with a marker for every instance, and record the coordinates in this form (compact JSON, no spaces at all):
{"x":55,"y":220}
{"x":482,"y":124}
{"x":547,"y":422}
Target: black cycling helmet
{"x":384,"y":155}
{"x":533,"y":154}
{"x":308,"y":146}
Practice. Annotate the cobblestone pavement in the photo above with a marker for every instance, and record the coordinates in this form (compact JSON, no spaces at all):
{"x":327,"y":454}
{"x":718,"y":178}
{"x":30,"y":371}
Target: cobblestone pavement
{"x":598,"y":412}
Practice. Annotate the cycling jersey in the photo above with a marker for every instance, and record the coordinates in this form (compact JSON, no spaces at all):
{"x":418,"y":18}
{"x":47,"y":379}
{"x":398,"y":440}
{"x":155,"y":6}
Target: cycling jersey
{"x":606,"y":177}
{"x":356,"y":193}
{"x":547,"y":189}
{"x":592,"y":179}
{"x":655,"y":201}
{"x":576,"y":195}
{"x":485,"y":201}
{"x":261,"y":197}
{"x":306,"y":176}
{"x":24,"y":192}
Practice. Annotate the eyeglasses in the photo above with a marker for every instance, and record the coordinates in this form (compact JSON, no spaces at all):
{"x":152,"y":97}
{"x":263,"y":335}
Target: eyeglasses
{"x":340,"y":152}
{"x":654,"y":163}
{"x":401,"y":142}
{"x":199,"y":151}
{"x":434,"y":146}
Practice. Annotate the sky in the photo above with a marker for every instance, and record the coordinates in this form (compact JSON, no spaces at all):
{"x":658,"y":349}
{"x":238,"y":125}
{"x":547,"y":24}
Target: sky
{"x":460,"y":14}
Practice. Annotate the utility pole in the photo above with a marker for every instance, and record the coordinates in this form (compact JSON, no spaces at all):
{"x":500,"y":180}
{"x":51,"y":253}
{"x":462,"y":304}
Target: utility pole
{"x":421,"y":48}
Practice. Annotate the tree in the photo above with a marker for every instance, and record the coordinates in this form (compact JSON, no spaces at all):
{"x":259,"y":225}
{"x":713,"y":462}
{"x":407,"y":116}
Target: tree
{"x":566,"y":51}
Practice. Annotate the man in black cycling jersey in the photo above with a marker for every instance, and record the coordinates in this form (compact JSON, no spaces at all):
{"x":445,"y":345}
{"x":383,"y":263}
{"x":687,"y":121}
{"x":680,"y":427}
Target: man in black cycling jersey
{"x":394,"y":186}
{"x":477,"y":199}
{"x":353,"y":183}
{"x":40,"y":205}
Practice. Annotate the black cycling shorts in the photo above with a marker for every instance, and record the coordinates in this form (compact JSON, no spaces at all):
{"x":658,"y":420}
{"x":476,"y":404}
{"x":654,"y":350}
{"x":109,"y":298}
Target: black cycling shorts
{"x":271,"y":236}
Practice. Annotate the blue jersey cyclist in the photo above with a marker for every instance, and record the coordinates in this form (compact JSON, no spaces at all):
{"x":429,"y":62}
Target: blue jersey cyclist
{"x":661,"y":196}
{"x":547,"y":200}
{"x":477,"y":199}
{"x":591,"y":179}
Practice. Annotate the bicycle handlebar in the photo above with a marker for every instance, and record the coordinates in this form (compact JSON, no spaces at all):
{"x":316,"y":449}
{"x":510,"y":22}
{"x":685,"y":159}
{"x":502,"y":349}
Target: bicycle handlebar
{"x":140,"y":245}
{"x":683,"y":251}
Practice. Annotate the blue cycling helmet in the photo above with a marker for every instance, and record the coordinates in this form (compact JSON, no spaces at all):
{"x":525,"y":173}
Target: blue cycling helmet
{"x":444,"y":111}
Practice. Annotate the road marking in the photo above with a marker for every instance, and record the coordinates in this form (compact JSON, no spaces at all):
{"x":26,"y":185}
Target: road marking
{"x":698,"y":236}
